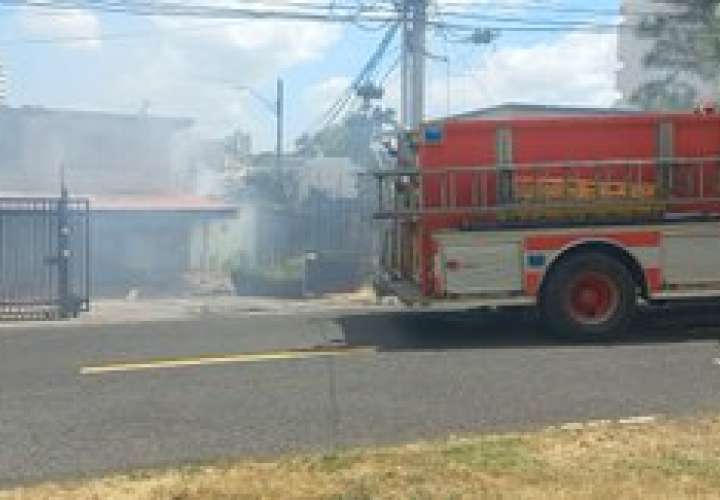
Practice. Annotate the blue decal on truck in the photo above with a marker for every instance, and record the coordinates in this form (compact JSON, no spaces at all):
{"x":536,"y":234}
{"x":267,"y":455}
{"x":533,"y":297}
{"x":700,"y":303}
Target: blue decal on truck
{"x":433,"y":134}
{"x":536,"y":260}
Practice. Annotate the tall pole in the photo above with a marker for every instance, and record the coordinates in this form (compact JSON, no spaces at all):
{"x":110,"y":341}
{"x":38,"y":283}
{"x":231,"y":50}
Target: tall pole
{"x":418,"y":82}
{"x":280,"y":124}
{"x":414,"y":20}
{"x":405,"y":64}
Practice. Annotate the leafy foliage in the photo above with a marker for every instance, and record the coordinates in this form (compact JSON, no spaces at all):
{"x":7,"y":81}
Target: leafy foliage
{"x":265,"y":183}
{"x":686,"y":48}
{"x":352,"y":138}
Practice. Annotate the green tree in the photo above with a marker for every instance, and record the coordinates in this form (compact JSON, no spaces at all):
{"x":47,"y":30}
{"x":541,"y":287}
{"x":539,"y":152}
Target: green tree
{"x":686,"y":47}
{"x":352,"y":138}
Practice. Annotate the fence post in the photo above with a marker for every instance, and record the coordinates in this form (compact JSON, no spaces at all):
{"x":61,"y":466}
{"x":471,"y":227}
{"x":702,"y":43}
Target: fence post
{"x":67,"y":308}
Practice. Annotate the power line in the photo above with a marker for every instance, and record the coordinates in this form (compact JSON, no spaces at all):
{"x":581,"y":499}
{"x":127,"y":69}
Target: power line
{"x":547,"y":8}
{"x":377,"y":11}
{"x":113,"y":36}
{"x":365,"y":74}
{"x":464,"y":30}
{"x":308,"y":11}
{"x":390,"y":70}
{"x":319,"y":13}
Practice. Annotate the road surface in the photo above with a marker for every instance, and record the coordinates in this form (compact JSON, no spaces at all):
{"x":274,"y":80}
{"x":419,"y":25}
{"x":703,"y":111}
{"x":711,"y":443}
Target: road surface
{"x":83,"y":400}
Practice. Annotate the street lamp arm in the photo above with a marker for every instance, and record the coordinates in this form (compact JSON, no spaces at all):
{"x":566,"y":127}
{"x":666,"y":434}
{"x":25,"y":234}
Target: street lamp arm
{"x":277,"y":108}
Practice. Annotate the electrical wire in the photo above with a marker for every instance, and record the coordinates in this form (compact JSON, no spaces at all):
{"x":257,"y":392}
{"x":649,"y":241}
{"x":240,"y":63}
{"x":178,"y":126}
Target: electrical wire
{"x":390,"y":70}
{"x":363,"y":15}
{"x":310,"y":11}
{"x":115,"y":36}
{"x":365,"y":75}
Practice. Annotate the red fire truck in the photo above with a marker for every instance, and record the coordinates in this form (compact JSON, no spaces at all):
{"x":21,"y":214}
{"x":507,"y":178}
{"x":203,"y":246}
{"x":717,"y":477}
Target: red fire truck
{"x":583,"y":216}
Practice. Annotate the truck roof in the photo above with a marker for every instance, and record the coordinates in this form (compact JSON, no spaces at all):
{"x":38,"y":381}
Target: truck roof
{"x":527,"y":110}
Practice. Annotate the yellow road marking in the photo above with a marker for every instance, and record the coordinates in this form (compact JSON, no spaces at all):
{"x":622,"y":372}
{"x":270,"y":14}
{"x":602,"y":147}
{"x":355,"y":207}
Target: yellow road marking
{"x":222,"y":359}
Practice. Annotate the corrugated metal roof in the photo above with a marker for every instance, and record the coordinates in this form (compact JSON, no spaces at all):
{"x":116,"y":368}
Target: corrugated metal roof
{"x":176,"y":122}
{"x":156,"y":203}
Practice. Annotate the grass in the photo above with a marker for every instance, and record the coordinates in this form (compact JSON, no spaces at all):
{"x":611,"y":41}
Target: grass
{"x":663,"y":460}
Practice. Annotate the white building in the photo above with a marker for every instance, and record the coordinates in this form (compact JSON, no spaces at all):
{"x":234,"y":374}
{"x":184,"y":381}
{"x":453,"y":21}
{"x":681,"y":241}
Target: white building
{"x":336,"y":177}
{"x":632,"y":49}
{"x":3,"y":86}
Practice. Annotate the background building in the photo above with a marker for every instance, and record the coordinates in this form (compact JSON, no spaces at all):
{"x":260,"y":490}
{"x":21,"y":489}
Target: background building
{"x":133,"y":169}
{"x":3,"y":85}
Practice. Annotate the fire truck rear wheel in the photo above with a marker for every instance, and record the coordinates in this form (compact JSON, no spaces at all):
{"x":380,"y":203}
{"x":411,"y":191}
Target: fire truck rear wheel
{"x":588,"y":296}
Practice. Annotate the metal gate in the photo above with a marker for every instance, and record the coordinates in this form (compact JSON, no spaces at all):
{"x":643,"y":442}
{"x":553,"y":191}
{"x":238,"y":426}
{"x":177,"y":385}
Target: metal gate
{"x":44,"y":257}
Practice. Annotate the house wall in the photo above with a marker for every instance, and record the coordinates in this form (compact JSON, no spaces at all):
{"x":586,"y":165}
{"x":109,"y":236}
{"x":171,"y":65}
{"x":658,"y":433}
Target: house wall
{"x":104,"y":155}
{"x":100,"y":153}
{"x":216,"y":244}
{"x":148,"y":252}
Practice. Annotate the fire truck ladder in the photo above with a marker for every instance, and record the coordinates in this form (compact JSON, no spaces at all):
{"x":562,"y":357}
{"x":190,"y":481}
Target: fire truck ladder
{"x":577,"y":189}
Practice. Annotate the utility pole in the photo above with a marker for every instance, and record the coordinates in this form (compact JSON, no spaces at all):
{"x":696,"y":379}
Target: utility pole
{"x":414,"y":25}
{"x":280,"y":124}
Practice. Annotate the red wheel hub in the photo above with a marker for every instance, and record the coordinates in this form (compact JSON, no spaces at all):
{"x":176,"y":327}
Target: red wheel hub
{"x":593,"y":297}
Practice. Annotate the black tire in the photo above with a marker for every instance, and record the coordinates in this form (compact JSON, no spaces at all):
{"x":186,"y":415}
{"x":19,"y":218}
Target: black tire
{"x":567,"y":312}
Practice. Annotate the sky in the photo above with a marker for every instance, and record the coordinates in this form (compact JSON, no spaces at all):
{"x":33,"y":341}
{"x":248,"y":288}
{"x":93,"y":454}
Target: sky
{"x":198,"y":68}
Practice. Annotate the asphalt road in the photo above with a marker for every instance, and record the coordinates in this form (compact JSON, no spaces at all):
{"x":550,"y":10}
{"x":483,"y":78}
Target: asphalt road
{"x":430,"y":375}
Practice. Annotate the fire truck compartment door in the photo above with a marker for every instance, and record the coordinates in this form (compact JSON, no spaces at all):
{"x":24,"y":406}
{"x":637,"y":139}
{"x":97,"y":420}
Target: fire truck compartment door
{"x":691,"y":260}
{"x":482,"y":269}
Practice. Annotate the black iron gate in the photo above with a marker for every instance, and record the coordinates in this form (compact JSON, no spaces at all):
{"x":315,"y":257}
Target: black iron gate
{"x":44,"y":257}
